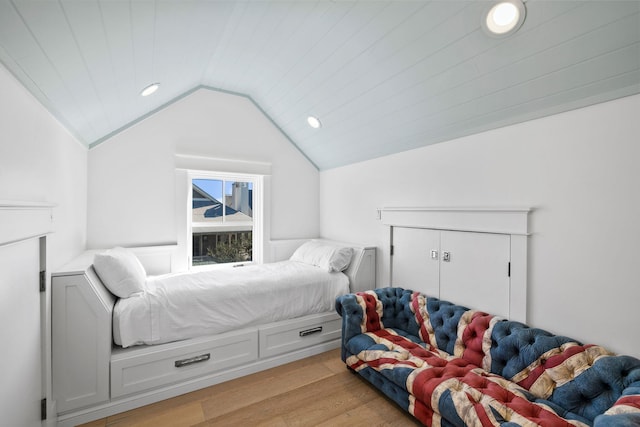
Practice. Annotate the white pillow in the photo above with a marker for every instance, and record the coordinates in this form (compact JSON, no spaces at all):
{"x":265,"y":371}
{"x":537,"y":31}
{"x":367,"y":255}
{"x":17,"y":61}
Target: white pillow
{"x":329,"y":257}
{"x":120,"y":271}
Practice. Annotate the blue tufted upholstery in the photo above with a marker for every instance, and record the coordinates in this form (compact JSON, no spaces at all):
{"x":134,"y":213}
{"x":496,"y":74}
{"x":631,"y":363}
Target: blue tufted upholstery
{"x":514,"y":346}
{"x":396,"y":309}
{"x":410,"y":346}
{"x":599,"y":387}
{"x":444,"y":318}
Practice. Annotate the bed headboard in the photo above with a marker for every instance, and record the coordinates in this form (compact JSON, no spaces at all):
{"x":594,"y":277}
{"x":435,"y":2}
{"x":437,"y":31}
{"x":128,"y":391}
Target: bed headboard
{"x":362,"y":269}
{"x":161,"y":259}
{"x":157,"y":259}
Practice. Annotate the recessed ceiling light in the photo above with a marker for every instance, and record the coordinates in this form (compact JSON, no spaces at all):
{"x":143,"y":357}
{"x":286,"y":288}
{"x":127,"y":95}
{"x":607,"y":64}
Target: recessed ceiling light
{"x":150,"y":89}
{"x":504,"y":18}
{"x":314,"y":122}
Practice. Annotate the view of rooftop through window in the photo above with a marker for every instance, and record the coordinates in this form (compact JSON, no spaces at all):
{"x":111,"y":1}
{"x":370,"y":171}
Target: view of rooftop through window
{"x":222,"y":221}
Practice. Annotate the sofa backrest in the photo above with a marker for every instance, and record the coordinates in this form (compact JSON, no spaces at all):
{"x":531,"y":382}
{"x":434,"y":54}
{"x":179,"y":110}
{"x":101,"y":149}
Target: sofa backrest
{"x":600,"y":386}
{"x":583,"y":379}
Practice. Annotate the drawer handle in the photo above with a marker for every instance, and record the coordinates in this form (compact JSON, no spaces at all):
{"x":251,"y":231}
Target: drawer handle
{"x":311,"y":331}
{"x":192,"y":360}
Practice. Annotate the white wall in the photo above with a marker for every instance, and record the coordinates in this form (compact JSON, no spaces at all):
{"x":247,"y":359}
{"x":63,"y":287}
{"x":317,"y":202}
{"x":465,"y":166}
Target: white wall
{"x":579,"y":170}
{"x":40,"y":161}
{"x":132,"y":176}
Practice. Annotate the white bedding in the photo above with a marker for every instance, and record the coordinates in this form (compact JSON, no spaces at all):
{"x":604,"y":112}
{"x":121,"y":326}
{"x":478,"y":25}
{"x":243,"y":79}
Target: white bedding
{"x":187,"y":305}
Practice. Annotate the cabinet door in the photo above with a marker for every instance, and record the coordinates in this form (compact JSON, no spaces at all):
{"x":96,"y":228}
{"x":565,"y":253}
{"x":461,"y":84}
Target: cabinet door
{"x":477,"y":273}
{"x":411,"y":264}
{"x":20,"y":358}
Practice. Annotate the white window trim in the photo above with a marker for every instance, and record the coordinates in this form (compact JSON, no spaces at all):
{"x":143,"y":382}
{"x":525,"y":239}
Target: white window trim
{"x":189,"y":163}
{"x":258,"y":214}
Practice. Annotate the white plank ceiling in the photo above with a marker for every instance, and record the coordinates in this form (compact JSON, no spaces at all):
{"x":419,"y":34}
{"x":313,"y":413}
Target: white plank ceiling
{"x":382,"y":76}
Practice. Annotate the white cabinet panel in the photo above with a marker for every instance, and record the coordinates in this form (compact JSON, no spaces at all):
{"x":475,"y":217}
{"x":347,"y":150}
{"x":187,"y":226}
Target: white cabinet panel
{"x":145,"y":367}
{"x":290,"y":335}
{"x":81,"y":339}
{"x":20,"y":358}
{"x":411,"y":265}
{"x":487,"y":250}
{"x":477,"y":273}
{"x":465,"y":268}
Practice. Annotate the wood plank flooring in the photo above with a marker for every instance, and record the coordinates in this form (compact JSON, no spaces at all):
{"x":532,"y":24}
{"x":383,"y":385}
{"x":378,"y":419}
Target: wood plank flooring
{"x":316,"y":391}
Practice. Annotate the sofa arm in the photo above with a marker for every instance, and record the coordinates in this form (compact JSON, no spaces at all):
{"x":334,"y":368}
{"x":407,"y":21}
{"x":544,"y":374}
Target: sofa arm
{"x":625,"y":412}
{"x":373,"y":310}
{"x":352,"y":318}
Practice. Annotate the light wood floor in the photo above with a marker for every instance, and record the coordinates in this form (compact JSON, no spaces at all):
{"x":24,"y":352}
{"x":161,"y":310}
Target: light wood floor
{"x":317,"y":391}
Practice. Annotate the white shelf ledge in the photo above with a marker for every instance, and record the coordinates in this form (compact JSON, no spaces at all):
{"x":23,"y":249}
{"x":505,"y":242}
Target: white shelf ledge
{"x":20,"y":220}
{"x":479,"y":219}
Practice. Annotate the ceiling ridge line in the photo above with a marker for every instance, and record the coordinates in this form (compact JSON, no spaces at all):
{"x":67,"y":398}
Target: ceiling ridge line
{"x":185,"y":95}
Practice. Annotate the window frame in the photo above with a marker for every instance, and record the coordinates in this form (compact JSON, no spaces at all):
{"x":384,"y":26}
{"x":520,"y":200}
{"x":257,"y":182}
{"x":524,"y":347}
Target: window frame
{"x":257,"y":234}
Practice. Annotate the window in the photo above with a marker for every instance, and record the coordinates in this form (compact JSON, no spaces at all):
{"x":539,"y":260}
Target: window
{"x":224,"y":215}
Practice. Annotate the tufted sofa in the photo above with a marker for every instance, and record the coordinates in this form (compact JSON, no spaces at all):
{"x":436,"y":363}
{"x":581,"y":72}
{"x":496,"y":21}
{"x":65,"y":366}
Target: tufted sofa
{"x":451,"y":366}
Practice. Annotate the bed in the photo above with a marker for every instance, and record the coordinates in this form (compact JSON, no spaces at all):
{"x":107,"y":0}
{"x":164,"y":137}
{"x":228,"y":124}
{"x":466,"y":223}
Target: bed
{"x":178,"y":306}
{"x":116,"y":347}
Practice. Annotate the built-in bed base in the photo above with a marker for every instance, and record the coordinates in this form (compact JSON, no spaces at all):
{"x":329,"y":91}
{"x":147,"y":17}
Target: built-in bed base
{"x":93,"y":378}
{"x":128,"y":402}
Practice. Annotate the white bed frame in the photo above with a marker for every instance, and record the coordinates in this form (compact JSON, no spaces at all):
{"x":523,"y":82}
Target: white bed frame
{"x":93,"y":378}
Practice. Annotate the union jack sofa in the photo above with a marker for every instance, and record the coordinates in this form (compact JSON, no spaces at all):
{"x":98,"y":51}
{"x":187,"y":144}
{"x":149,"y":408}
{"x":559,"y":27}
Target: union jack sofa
{"x":451,"y":366}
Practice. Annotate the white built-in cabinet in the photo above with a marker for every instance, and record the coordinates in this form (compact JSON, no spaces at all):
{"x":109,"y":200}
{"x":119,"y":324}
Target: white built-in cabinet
{"x":468,"y":256}
{"x":24,"y":227}
{"x":469,"y":268}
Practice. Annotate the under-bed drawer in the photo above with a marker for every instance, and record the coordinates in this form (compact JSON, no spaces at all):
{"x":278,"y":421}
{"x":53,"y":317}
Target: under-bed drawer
{"x":142,"y":368}
{"x":289,"y":335}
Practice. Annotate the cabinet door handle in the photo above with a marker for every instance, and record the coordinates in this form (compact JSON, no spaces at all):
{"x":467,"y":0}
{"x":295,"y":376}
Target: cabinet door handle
{"x":446,"y":256}
{"x":311,"y":331}
{"x":191,"y":360}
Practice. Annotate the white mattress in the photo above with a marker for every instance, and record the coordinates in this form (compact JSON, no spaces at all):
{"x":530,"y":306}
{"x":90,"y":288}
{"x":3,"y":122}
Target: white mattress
{"x":187,"y":305}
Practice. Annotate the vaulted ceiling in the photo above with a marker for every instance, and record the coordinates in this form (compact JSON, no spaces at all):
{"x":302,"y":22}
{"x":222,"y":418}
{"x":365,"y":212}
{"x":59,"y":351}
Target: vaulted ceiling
{"x":382,"y":76}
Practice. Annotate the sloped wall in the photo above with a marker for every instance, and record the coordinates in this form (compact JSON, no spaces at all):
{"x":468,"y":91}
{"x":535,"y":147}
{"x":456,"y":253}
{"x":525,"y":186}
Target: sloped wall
{"x":132,"y":176}
{"x":41,"y":162}
{"x":579,"y":172}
